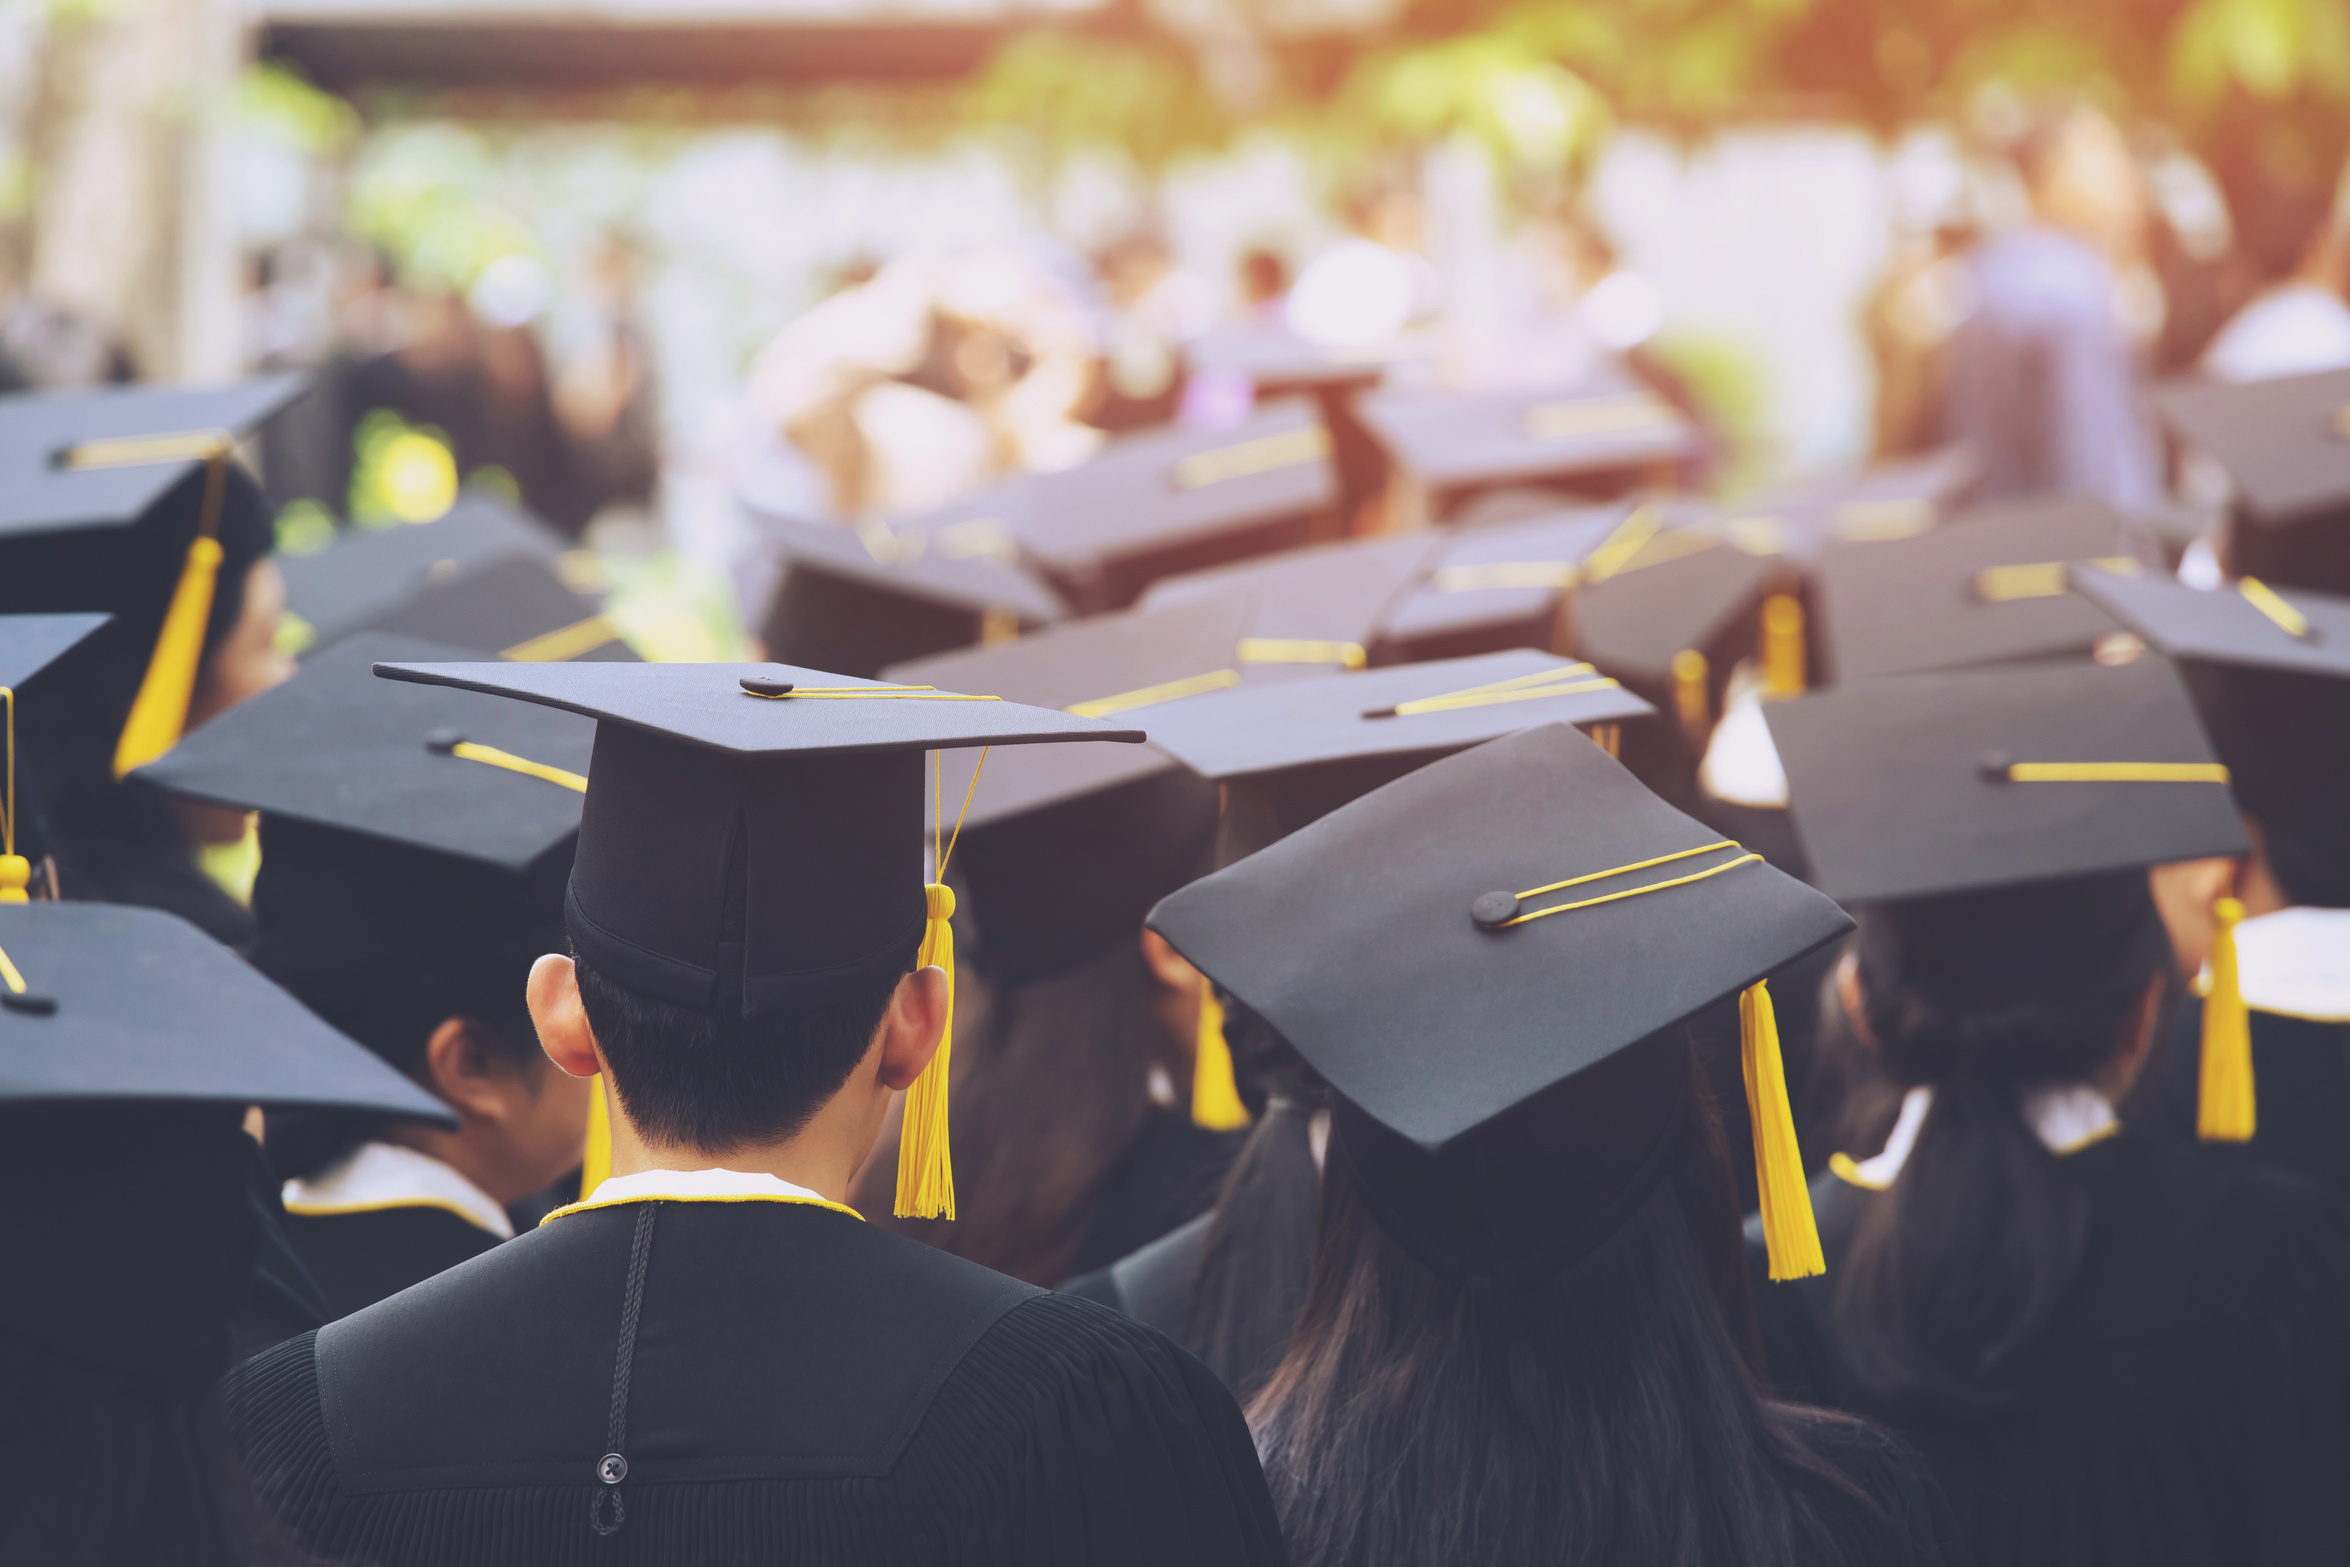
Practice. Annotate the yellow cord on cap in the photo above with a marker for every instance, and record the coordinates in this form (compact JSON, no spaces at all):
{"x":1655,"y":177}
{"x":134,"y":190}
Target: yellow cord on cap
{"x":2226,"y":1107}
{"x":926,"y":1163}
{"x":2117,"y":772}
{"x":16,"y":872}
{"x":1301,"y":650}
{"x":595,"y":1161}
{"x":491,"y":756}
{"x":1789,"y":1231}
{"x":9,"y":975}
{"x":1215,"y":1097}
{"x":1782,"y":645}
{"x":2266,"y":599}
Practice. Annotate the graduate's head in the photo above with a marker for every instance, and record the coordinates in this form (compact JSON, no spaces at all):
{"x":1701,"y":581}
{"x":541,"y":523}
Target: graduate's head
{"x":2280,"y":443}
{"x":2286,"y":740}
{"x":748,"y":897}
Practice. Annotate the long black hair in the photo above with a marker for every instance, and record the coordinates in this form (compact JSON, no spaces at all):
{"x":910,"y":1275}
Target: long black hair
{"x":1984,"y":996}
{"x":128,"y":1250}
{"x":1606,"y":1413}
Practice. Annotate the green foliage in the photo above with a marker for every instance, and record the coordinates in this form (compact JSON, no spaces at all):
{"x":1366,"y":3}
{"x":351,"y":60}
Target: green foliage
{"x":275,"y":99}
{"x":1529,"y":112}
{"x":1069,"y":91}
{"x":429,"y":195}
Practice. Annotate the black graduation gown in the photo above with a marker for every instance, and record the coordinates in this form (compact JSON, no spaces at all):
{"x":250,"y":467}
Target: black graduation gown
{"x":2193,"y":1401}
{"x":2301,"y":1073}
{"x":361,"y":1258}
{"x":1167,"y":1175}
{"x":805,"y":1388}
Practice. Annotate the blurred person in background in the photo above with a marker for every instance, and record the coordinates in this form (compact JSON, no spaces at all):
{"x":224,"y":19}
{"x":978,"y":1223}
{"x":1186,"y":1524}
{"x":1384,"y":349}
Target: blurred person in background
{"x":604,"y":392}
{"x":931,"y":377}
{"x":2291,"y":232}
{"x":2044,"y":376}
{"x":50,"y":348}
{"x":1260,"y":283}
{"x":1370,"y":286}
{"x":1154,"y":308}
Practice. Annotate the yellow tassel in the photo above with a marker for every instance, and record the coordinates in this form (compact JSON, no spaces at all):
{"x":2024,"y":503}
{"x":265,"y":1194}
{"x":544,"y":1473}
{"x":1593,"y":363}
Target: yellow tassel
{"x":1782,"y":645}
{"x":2226,"y":1110}
{"x":16,"y":873}
{"x":161,"y":710}
{"x":1690,"y":697}
{"x":1788,"y":1229}
{"x":595,"y":1159}
{"x":926,"y":1162}
{"x":1215,"y":1098}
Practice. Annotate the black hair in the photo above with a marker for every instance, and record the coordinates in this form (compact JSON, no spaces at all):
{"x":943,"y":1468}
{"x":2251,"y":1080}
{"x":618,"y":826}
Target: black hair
{"x":115,"y":1311}
{"x":2285,"y":737}
{"x":1606,"y":1412}
{"x":715,"y":1083}
{"x":1257,"y":1263}
{"x":1954,"y":1276}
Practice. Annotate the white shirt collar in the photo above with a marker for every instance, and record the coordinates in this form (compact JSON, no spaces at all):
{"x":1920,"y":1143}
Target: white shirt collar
{"x":1741,"y":764}
{"x":373,"y":1176}
{"x":2294,"y":962}
{"x":2066,"y":1119}
{"x":698,"y":1183}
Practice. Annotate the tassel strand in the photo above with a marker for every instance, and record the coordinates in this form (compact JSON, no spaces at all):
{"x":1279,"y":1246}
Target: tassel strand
{"x":2226,"y":1108}
{"x":1788,"y":1228}
{"x":1215,"y":1097}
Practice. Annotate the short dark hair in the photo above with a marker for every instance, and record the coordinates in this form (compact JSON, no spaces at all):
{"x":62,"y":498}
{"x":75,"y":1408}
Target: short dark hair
{"x":716,"y":1083}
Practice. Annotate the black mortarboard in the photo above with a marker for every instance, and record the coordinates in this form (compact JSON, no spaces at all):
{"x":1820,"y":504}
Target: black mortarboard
{"x":1595,"y":438}
{"x":1155,"y":505}
{"x":1987,"y":589}
{"x":100,"y":1001}
{"x":746,"y":852}
{"x":1894,"y":500}
{"x":1501,"y":586}
{"x":1682,"y":590}
{"x":1294,"y":751}
{"x":102,"y":458}
{"x":1949,"y":782}
{"x":514,"y":605}
{"x":2284,"y":442}
{"x":425,"y":767}
{"x":28,"y":645}
{"x":31,"y":643}
{"x":368,"y":571}
{"x":2248,"y":624}
{"x":1507,"y":1085}
{"x":858,"y":600}
{"x":1065,"y":848}
{"x":1310,"y":610}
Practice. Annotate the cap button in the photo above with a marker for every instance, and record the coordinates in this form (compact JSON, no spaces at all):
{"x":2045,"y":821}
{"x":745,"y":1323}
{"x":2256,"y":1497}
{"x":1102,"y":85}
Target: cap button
{"x":441,"y":742}
{"x":1493,"y":910}
{"x":1994,"y":765}
{"x":612,"y":1469}
{"x":759,"y":685}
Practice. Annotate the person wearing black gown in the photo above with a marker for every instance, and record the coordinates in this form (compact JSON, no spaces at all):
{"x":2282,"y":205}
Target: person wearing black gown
{"x":405,"y":890}
{"x":712,"y":1357}
{"x":131,"y":1256}
{"x":120,"y":533}
{"x":1528,"y":1338}
{"x":2114,"y":1347}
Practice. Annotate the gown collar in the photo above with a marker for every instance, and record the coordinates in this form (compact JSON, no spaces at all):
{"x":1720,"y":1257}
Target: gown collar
{"x":375,"y":1176}
{"x":2067,"y":1119}
{"x":713,"y":1185}
{"x":2295,"y":963}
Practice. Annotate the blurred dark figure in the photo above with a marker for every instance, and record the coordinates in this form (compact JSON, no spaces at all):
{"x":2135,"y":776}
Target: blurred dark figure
{"x":122,"y":842}
{"x":2044,"y":379}
{"x":46,"y":347}
{"x":1263,"y":281}
{"x":115,"y":1314}
{"x":1154,"y":309}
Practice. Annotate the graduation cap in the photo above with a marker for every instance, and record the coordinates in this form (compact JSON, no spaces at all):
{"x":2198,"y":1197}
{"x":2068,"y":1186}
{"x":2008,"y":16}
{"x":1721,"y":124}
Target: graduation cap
{"x":1941,"y":783}
{"x":103,"y":1001}
{"x":1895,"y":500}
{"x":1311,"y":610}
{"x":367,"y":572}
{"x":99,"y":462}
{"x":751,"y":838}
{"x":858,"y":600}
{"x":28,"y":645}
{"x":1989,"y":588}
{"x":1160,"y":504}
{"x":1597,"y":438}
{"x":1508,"y":1080}
{"x":1501,"y":586}
{"x":2285,"y":444}
{"x":1670,"y":610}
{"x":514,"y":605}
{"x":2245,"y":623}
{"x":1067,"y":847}
{"x":1292,"y":752}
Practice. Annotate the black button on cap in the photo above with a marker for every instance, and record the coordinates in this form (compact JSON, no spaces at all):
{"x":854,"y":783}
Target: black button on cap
{"x":612,"y":1469}
{"x":443,"y":741}
{"x":1493,"y":910}
{"x":1994,"y":765}
{"x":760,"y":686}
{"x":28,"y":1003}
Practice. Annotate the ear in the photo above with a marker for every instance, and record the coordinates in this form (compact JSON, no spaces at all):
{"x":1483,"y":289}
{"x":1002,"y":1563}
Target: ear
{"x":561,"y":1017}
{"x":1853,"y":999}
{"x":1171,"y":968}
{"x":464,"y":1072}
{"x":912,"y":1027}
{"x":2184,"y":892}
